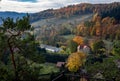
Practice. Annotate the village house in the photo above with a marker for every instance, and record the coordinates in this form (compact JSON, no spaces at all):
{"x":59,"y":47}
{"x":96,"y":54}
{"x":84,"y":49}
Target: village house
{"x":99,"y":75}
{"x":60,"y":64}
{"x":83,"y":48}
{"x":50,"y":48}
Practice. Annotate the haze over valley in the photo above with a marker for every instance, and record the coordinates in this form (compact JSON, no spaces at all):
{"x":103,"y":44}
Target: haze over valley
{"x":59,"y":40}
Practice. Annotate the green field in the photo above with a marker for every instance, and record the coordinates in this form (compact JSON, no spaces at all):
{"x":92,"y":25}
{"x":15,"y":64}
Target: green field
{"x":45,"y":68}
{"x":48,"y":68}
{"x":57,"y":21}
{"x":68,"y":36}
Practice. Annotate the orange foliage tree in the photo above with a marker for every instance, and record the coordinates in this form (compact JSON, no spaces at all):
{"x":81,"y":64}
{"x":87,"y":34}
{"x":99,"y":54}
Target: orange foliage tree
{"x":79,"y":40}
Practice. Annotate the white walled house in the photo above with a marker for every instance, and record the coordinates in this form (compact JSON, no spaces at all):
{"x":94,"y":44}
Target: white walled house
{"x":50,"y":48}
{"x":83,"y":48}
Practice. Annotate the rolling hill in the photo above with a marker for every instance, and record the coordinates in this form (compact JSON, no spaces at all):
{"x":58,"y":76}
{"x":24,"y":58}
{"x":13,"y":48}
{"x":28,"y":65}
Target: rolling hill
{"x":13,"y":15}
{"x":75,"y":14}
{"x":57,"y":21}
{"x":78,"y":10}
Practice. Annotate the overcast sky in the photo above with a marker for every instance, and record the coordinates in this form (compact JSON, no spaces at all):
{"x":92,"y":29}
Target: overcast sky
{"x":32,"y":6}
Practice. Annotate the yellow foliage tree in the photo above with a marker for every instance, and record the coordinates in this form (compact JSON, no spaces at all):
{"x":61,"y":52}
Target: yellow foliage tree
{"x":75,"y":61}
{"x":98,"y":28}
{"x":96,"y":17}
{"x":79,"y":40}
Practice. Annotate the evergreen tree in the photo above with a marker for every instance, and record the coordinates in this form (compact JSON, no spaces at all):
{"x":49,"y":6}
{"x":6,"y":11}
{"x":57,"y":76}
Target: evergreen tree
{"x":15,"y":40}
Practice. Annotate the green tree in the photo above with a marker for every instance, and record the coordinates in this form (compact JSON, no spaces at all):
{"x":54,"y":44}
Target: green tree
{"x":116,"y":48}
{"x":6,"y":72}
{"x":15,"y":38}
{"x":98,"y":47}
{"x":107,"y":68}
{"x":73,"y":46}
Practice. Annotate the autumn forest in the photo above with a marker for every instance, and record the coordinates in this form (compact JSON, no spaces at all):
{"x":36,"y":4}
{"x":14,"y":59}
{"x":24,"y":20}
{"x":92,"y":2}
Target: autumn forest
{"x":74,"y":43}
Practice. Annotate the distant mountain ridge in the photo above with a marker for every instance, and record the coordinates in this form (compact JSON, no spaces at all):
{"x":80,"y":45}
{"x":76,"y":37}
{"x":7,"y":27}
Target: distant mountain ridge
{"x":13,"y":15}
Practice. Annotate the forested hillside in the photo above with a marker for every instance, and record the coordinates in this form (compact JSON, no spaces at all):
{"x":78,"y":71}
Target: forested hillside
{"x":79,"y":9}
{"x":13,"y":15}
{"x":100,"y":20}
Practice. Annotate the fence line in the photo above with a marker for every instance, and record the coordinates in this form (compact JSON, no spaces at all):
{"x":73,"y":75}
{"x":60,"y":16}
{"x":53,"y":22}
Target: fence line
{"x":57,"y":77}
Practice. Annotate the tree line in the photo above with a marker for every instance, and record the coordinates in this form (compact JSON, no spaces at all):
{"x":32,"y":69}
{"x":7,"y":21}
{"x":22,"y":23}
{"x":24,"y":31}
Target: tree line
{"x":79,"y":9}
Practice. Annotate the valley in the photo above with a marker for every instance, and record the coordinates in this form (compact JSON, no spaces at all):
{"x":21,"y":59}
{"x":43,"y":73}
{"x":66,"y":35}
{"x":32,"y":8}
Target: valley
{"x":72,"y":43}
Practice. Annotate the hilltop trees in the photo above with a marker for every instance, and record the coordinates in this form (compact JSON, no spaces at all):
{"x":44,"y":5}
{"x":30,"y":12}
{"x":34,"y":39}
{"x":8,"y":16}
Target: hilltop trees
{"x":80,"y":9}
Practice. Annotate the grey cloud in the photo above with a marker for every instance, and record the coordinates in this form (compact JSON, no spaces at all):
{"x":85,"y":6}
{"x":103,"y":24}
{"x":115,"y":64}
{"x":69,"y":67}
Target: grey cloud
{"x":38,"y":5}
{"x":33,"y":1}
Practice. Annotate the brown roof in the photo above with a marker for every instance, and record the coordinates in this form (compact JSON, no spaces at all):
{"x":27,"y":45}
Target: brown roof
{"x":59,"y":64}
